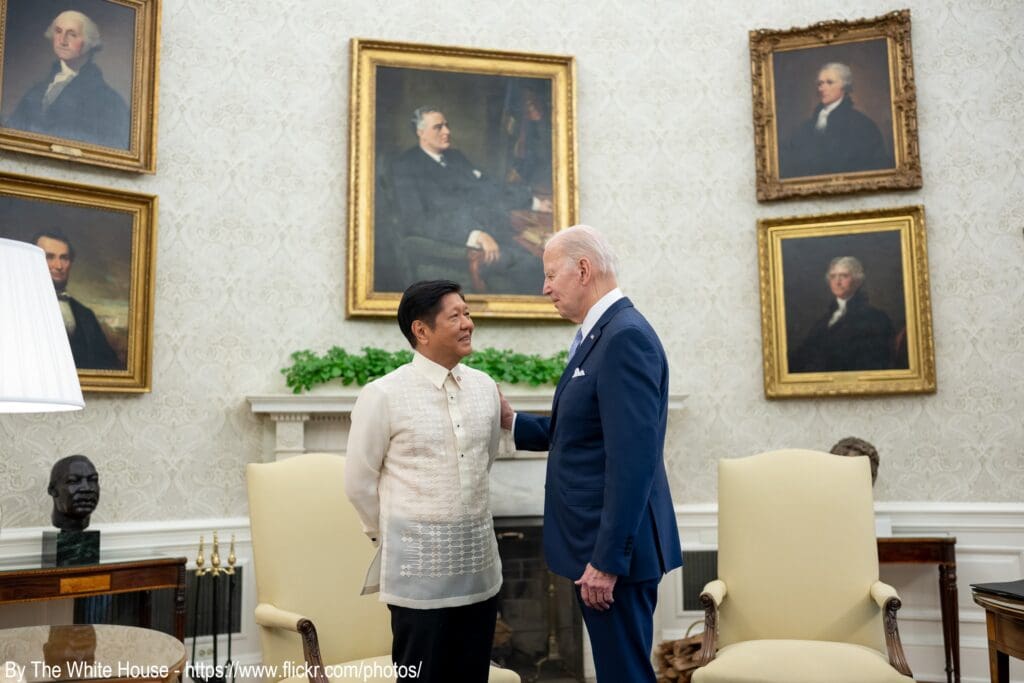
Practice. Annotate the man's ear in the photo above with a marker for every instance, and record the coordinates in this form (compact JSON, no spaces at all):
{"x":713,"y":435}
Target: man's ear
{"x":419,"y":331}
{"x":585,"y":269}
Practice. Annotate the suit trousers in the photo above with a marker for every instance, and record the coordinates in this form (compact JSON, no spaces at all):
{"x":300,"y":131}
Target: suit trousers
{"x":444,"y":645}
{"x":622,"y":636}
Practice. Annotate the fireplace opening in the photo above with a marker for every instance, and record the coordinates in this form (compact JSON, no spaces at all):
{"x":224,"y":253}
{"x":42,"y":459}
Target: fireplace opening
{"x":539,"y":631}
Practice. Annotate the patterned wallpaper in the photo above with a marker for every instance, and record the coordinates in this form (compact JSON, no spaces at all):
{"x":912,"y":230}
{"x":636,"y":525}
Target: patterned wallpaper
{"x":251,"y":247}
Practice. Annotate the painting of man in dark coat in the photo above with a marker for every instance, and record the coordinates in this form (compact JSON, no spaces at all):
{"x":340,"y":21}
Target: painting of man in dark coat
{"x":852,"y":334}
{"x":72,"y":99}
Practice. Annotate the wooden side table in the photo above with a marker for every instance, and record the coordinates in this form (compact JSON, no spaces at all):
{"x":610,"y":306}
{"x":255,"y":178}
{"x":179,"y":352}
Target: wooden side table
{"x":941,"y":551}
{"x":26,"y":580}
{"x":1004,"y":622}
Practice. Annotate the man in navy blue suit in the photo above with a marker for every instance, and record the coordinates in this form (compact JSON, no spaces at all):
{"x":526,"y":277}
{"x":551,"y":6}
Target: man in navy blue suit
{"x":609,"y":522}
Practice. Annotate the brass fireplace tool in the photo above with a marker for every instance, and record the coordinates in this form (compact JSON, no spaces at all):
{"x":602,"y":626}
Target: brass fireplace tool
{"x":218,"y":674}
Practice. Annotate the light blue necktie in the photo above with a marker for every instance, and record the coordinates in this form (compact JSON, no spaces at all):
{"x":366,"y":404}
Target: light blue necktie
{"x":576,"y":341}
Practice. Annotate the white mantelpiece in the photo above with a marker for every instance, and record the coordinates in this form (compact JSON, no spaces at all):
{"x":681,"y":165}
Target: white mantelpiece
{"x":319,"y":419}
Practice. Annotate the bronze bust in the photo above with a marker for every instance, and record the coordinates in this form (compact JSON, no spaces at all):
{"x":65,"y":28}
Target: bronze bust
{"x":852,"y":446}
{"x":75,"y":488}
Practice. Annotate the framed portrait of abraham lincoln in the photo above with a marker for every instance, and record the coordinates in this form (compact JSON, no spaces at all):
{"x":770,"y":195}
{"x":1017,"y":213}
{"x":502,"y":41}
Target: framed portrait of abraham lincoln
{"x":100,"y":247}
{"x":78,"y":80}
{"x":462,"y":162}
{"x":845,"y":304}
{"x":835,"y":109}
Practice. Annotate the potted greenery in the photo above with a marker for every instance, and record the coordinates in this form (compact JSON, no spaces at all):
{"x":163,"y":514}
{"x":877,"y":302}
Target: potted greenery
{"x":308,"y":369}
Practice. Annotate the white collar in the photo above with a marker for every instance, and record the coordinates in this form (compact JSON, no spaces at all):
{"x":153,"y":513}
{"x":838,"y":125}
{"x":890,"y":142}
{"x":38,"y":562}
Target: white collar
{"x":434,"y":372}
{"x":598,"y":309}
{"x":66,"y":70}
{"x":435,"y":157}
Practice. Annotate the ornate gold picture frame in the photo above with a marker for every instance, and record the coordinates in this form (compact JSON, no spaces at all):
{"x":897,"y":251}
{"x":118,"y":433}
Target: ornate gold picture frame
{"x":845,"y":304}
{"x":461,"y":162}
{"x":100,"y":245}
{"x":835,"y":108}
{"x":79,"y":81}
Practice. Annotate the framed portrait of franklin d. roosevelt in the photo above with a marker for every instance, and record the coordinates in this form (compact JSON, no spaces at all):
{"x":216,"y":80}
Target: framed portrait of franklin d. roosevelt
{"x":100,"y":247}
{"x":845,"y":304}
{"x":462,"y":161}
{"x":78,"y":80}
{"x":834,"y":108}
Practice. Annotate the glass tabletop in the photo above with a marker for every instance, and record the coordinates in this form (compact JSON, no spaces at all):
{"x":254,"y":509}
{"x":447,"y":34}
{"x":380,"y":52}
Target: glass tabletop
{"x":43,"y":654}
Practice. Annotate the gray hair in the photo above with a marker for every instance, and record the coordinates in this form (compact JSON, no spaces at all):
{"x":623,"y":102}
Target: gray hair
{"x":844,"y":73}
{"x":416,"y":120}
{"x":581,"y":241}
{"x":850,"y":263}
{"x":90,"y":31}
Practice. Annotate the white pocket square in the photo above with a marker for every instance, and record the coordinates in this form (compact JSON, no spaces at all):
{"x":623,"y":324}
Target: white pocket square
{"x":578,"y":373}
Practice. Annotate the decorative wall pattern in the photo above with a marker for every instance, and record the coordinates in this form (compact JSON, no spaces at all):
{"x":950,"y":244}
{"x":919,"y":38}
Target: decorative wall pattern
{"x":250,"y":264}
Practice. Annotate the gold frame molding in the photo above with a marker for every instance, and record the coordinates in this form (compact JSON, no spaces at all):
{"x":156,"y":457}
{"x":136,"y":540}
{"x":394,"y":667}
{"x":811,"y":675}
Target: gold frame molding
{"x":366,"y":57}
{"x":765,"y":43}
{"x":137,"y":377}
{"x":141,"y":153}
{"x":919,"y":376}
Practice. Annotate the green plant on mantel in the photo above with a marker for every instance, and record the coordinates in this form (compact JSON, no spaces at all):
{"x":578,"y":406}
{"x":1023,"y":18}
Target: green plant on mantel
{"x":309,"y":369}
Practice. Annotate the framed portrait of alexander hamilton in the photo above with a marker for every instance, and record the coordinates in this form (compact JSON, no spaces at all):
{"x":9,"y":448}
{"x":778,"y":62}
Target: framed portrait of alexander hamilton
{"x":835,"y":109}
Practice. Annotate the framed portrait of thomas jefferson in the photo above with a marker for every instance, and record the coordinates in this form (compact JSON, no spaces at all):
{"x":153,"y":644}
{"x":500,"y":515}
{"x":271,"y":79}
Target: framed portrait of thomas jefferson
{"x":835,"y":108}
{"x":845,"y":304}
{"x":462,"y":162}
{"x":100,"y":248}
{"x":78,"y":80}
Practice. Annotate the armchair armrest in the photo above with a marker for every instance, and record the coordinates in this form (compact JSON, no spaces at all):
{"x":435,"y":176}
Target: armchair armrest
{"x":888,"y":601}
{"x":711,"y":598}
{"x":271,"y":616}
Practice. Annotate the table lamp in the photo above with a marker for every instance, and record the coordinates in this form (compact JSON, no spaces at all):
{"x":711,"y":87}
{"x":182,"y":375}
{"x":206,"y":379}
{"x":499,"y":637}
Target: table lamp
{"x":37,"y":371}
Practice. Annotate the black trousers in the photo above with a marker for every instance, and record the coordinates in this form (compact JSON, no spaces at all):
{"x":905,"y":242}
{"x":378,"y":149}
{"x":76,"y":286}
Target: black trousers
{"x":444,"y":645}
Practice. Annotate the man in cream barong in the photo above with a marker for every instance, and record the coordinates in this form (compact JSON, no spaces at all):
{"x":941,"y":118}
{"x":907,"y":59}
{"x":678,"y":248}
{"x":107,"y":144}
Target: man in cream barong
{"x":420,"y":449}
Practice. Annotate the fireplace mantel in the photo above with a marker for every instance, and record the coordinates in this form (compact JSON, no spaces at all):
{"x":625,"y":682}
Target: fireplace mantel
{"x":318,"y":420}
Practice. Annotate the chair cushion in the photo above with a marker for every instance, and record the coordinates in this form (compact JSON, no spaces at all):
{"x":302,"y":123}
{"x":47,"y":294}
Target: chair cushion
{"x":798,"y":661}
{"x":363,"y":670}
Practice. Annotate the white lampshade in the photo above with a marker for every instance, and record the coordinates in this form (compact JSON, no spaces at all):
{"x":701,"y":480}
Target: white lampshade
{"x":37,"y":371}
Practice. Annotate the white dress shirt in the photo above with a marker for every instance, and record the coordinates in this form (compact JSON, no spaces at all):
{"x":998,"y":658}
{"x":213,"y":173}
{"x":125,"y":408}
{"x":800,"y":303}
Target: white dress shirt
{"x":419,"y":452}
{"x":599,"y":308}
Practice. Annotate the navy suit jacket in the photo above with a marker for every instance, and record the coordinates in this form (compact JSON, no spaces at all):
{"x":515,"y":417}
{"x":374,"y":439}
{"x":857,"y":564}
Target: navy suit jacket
{"x":606,"y":498}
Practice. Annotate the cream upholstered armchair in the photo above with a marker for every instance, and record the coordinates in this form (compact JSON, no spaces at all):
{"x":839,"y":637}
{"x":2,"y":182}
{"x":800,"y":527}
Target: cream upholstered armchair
{"x":310,"y":557}
{"x":798,"y":598}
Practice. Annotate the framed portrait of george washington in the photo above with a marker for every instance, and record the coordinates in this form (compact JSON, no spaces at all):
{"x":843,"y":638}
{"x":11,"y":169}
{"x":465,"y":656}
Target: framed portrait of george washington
{"x":100,"y":247}
{"x":845,"y":304}
{"x":835,"y":109}
{"x":78,"y":81}
{"x":462,"y":161}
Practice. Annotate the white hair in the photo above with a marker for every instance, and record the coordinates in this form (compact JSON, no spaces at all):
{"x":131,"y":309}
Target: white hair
{"x":581,"y":241}
{"x":90,"y":31}
{"x":419,"y":114}
{"x":850,"y":263}
{"x":844,"y":73}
